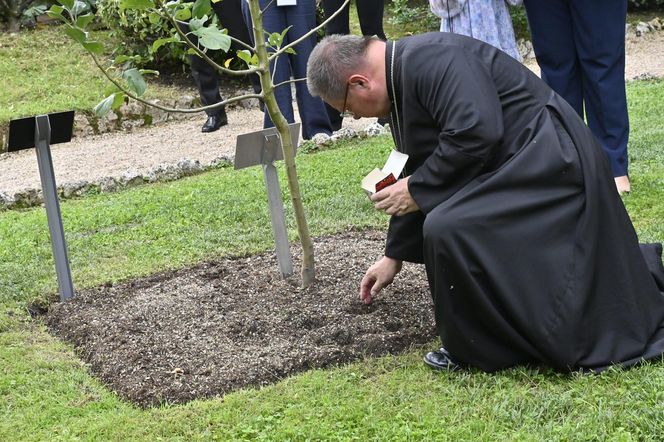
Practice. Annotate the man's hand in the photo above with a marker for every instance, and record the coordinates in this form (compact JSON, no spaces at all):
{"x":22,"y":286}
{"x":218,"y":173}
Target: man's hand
{"x":395,"y":199}
{"x":379,"y":276}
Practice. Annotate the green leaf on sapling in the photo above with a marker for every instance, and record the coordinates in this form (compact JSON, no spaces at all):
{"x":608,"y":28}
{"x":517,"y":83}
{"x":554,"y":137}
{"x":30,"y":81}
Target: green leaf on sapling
{"x":76,"y":34}
{"x":149,"y":72}
{"x":94,"y":46}
{"x":275,"y":39}
{"x":154,"y":18}
{"x":104,"y":106}
{"x":283,"y":33}
{"x":196,"y":23}
{"x":56,"y":12}
{"x":118,"y":100}
{"x":183,"y":14}
{"x":79,"y":8}
{"x":68,"y":4}
{"x":83,"y":20}
{"x":135,"y":81}
{"x":201,"y":8}
{"x":213,"y":38}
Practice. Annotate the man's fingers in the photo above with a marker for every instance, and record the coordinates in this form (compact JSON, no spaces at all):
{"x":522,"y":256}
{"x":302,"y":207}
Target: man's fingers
{"x":384,"y":204}
{"x":376,"y":288}
{"x":379,"y":196}
{"x":369,"y":288}
{"x":366,"y":297}
{"x":365,"y":288}
{"x":368,"y":292}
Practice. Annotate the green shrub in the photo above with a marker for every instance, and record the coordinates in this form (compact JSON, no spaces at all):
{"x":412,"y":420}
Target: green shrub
{"x":404,"y":12}
{"x":135,"y":31}
{"x":11,"y":12}
{"x":645,"y":4}
{"x":520,"y":22}
{"x":17,"y":14}
{"x":28,"y":17}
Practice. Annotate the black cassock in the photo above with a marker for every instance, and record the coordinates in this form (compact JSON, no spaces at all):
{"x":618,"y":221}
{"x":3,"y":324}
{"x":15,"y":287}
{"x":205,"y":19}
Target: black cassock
{"x":530,"y":254}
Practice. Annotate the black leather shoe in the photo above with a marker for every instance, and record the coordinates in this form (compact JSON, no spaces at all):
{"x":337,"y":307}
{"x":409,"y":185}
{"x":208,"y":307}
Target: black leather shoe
{"x":214,"y":122}
{"x":440,"y":360}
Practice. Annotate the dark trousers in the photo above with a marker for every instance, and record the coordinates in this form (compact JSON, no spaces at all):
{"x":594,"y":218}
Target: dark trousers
{"x":580,"y":47}
{"x":229,"y":13}
{"x":301,"y":19}
{"x":370,"y":13}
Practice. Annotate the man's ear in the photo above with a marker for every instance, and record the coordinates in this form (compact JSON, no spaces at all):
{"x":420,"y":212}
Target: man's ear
{"x":358,"y":80}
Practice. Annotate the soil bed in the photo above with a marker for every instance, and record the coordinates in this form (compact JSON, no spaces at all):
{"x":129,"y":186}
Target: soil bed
{"x":219,"y":326}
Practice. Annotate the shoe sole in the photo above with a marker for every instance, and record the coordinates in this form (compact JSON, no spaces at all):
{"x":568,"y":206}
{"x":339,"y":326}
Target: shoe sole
{"x":449,"y":367}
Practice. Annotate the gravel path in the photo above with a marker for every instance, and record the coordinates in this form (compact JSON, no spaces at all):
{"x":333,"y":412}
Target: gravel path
{"x":113,"y":154}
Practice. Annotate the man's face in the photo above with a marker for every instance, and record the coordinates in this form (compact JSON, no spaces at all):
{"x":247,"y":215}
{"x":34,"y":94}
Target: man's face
{"x":363,"y":98}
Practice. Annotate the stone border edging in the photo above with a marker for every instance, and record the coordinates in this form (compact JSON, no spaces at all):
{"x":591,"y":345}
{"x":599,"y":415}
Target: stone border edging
{"x":641,"y":28}
{"x":164,"y":172}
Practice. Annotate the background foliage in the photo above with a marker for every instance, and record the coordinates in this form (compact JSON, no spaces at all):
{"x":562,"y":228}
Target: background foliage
{"x":23,"y":13}
{"x":136,"y":31}
{"x":645,"y":4}
{"x":16,"y":14}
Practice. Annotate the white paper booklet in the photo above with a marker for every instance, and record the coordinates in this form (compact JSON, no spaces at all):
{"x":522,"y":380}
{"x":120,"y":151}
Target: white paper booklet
{"x":379,"y":179}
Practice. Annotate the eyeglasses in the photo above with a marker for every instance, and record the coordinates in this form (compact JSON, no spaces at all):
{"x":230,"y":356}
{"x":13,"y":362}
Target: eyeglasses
{"x":344,"y":112}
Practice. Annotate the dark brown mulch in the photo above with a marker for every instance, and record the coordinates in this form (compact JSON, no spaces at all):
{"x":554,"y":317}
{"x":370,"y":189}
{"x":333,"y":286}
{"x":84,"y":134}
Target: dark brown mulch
{"x":219,"y":326}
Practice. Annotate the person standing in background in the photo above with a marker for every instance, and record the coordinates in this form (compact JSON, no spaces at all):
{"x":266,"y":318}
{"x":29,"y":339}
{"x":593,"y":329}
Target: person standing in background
{"x":370,"y":13}
{"x":299,"y":19}
{"x":206,"y":78}
{"x":485,"y":20}
{"x":580,"y":48}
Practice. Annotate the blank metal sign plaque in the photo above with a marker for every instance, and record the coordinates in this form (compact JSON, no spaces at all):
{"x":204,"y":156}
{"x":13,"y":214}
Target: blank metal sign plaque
{"x":22,"y":130}
{"x":250,"y":151}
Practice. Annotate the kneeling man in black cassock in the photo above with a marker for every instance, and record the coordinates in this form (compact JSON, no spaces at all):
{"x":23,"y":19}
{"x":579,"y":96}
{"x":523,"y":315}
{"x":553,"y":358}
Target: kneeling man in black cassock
{"x":507,"y":199}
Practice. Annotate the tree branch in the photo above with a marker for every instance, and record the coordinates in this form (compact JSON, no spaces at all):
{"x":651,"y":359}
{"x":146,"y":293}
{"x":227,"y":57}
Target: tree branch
{"x":169,"y":109}
{"x":233,"y":39}
{"x":199,"y":52}
{"x":267,"y":6}
{"x":295,"y":80}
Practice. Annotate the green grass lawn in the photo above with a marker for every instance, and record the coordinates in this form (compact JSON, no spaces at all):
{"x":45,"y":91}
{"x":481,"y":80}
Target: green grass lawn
{"x":45,"y":71}
{"x":46,"y":393}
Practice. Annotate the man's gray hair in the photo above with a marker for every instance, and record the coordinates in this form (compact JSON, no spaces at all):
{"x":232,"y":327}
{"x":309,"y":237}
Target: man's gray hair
{"x":332,"y":61}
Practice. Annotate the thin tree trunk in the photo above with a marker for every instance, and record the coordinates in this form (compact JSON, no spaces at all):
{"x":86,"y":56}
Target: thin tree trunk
{"x":308,"y":270}
{"x":13,"y":24}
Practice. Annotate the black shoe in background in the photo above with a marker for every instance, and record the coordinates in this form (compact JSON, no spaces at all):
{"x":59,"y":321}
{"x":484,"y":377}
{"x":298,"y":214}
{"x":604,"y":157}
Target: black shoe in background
{"x":214,"y":122}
